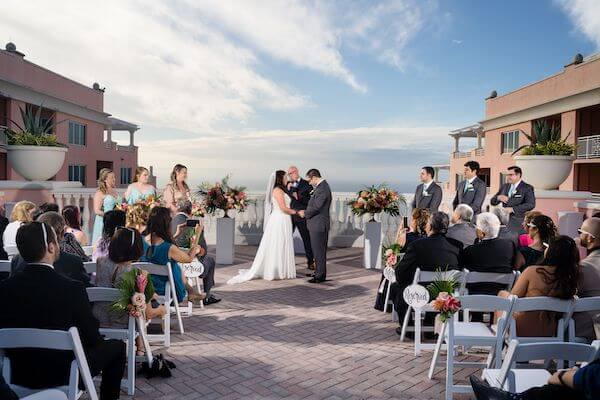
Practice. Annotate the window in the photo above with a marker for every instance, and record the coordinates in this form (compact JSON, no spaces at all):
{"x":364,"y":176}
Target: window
{"x":76,"y":133}
{"x":125,"y":176}
{"x":510,"y":141}
{"x":77,"y":173}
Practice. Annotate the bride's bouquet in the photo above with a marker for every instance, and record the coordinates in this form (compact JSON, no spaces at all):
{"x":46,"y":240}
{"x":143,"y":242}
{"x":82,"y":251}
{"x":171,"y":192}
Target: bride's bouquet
{"x":222,"y":196}
{"x":375,"y":200}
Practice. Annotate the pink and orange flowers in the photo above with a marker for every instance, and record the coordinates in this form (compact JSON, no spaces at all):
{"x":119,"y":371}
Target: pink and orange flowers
{"x":446,"y":305}
{"x":135,"y":290}
{"x":375,"y":200}
{"x":222,"y":196}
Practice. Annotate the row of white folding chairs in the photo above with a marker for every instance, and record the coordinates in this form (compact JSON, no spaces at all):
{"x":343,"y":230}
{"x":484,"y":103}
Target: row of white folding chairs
{"x":12,"y":251}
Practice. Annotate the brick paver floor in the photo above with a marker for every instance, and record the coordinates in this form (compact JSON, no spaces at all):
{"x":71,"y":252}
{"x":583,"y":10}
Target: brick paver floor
{"x":293,"y":340}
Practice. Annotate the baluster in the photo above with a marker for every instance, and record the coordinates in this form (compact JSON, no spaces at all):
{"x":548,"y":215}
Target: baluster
{"x":59,"y":198}
{"x":86,"y":215}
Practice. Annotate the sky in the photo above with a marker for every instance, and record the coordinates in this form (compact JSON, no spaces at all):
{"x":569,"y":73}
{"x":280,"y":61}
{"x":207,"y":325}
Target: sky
{"x":366,"y":91}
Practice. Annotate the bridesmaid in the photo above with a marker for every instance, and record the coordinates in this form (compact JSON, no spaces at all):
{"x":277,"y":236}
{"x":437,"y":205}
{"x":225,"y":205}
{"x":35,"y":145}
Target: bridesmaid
{"x":177,"y":189}
{"x":139,"y":189}
{"x":105,"y":199}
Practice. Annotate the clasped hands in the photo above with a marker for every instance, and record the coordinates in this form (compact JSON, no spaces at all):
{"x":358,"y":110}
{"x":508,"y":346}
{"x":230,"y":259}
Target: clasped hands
{"x":300,"y":213}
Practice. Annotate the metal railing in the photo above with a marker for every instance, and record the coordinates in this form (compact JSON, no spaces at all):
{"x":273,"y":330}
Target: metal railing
{"x":588,"y":147}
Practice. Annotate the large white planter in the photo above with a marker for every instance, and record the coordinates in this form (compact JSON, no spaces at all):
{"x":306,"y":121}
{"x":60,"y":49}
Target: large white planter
{"x":545,"y":172}
{"x":372,"y":246}
{"x":225,"y":240}
{"x":36,"y":163}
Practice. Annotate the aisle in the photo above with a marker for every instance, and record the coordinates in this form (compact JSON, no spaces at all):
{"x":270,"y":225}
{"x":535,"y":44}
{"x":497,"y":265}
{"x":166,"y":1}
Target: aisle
{"x":290,"y":339}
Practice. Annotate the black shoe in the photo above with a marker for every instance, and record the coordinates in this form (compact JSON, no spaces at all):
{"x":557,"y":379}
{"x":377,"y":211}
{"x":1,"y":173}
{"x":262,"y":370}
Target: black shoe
{"x":211,"y":300}
{"x":315,"y":280}
{"x":407,"y":335}
{"x":311,"y":275}
{"x":483,"y":391}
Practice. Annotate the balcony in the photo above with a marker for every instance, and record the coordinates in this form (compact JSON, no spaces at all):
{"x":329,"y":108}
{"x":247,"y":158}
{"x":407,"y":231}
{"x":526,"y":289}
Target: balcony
{"x":469,"y":154}
{"x":588,"y":147}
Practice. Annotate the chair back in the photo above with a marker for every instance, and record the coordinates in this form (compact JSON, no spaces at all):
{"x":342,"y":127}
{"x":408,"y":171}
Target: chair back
{"x":586,"y":304}
{"x":429,"y":276}
{"x":506,"y":278}
{"x":5,"y":266}
{"x":16,"y":338}
{"x":90,"y":267}
{"x":543,"y":303}
{"x":102,"y":294}
{"x":153,"y":269}
{"x":487,"y":303}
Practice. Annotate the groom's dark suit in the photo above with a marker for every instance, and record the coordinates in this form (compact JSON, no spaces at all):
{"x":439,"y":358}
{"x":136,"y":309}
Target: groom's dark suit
{"x":302,"y":190}
{"x":318,"y":222}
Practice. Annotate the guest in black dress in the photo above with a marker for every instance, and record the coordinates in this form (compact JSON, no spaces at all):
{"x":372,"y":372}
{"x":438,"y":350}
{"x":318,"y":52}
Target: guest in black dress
{"x":542,"y":231}
{"x":404,"y":237}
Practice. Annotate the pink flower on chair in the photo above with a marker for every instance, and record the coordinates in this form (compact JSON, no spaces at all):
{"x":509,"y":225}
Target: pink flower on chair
{"x":141,"y":281}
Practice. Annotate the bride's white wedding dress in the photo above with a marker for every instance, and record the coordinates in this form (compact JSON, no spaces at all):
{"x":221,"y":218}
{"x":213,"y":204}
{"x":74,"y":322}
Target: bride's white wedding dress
{"x":275,"y":256}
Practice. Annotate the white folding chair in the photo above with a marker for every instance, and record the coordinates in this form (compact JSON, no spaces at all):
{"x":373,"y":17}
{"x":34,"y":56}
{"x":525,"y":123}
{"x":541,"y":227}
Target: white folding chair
{"x":583,"y":305}
{"x":50,"y":394}
{"x":519,"y":380}
{"x":389,"y":278}
{"x":542,"y":303}
{"x":5,"y":266}
{"x":18,"y":338}
{"x":507,"y":278}
{"x":90,"y":267}
{"x":419,"y":313}
{"x":469,"y":334}
{"x":170,"y":294}
{"x":193,"y":272}
{"x":11,"y":250}
{"x":88,"y":250}
{"x":128,"y":335}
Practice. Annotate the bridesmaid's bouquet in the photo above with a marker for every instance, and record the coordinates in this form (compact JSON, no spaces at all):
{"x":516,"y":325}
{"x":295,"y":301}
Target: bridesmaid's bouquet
{"x":222,"y":196}
{"x":123,"y":206}
{"x":375,"y":200}
{"x":135,"y":289}
{"x":152,"y":201}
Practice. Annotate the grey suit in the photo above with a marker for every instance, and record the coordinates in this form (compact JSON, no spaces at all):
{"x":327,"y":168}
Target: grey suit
{"x":463,"y":232}
{"x":521,"y":201}
{"x":318,"y":222}
{"x":473,"y":196}
{"x":589,"y":286}
{"x":208,"y":277}
{"x":431,"y":201}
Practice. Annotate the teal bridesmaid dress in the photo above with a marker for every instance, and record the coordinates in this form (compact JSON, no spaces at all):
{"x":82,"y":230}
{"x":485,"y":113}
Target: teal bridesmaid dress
{"x":108,"y":204}
{"x":135,"y":195}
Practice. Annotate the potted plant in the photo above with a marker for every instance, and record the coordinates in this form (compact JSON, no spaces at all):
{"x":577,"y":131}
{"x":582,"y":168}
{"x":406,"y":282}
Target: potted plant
{"x":33,"y":151}
{"x":547,"y":159}
{"x":371,"y":201}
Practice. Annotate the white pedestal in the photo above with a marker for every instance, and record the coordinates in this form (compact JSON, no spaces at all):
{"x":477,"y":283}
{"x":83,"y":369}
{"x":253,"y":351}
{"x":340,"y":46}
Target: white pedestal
{"x":225,"y":240}
{"x":372,"y":247}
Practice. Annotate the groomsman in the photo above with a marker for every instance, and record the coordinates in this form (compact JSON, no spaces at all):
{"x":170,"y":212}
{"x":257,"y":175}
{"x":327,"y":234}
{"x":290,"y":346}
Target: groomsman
{"x":472,"y":190}
{"x":428,"y":194}
{"x":299,"y":190}
{"x":516,"y":196}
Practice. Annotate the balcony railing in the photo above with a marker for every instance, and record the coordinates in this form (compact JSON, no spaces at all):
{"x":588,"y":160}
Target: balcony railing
{"x":469,"y":154}
{"x":588,"y":147}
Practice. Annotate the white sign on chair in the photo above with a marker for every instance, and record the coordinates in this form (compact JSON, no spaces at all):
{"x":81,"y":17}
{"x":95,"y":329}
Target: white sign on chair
{"x":416,"y":296}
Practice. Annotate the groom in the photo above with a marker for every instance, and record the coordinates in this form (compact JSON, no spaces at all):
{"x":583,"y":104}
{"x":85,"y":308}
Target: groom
{"x":317,"y":221}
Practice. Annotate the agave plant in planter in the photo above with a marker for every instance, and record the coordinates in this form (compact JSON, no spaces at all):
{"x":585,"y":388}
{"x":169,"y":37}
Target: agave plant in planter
{"x":33,"y":151}
{"x":547,"y":160}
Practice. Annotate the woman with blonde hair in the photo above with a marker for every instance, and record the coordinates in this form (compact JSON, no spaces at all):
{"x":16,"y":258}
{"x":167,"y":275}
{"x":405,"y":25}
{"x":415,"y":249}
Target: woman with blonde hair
{"x":137,"y":217}
{"x":139,"y":189}
{"x":176,"y":189}
{"x":21,"y":213}
{"x":105,"y":199}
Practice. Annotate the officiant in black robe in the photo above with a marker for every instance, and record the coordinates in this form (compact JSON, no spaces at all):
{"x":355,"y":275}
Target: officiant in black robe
{"x":299,"y":190}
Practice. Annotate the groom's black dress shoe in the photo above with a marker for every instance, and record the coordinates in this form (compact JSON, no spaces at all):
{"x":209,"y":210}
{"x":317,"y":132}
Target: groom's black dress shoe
{"x":315,"y":280}
{"x":483,"y":391}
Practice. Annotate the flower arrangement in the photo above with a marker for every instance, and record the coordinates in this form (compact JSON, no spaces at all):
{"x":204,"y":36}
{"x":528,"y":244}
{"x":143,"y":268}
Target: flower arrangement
{"x":198,"y":209}
{"x":135,"y":290}
{"x":152,"y":200}
{"x":440,"y":289}
{"x":391,"y":255}
{"x":123,"y":206}
{"x":446,"y":305}
{"x":222,"y":196}
{"x":375,"y":200}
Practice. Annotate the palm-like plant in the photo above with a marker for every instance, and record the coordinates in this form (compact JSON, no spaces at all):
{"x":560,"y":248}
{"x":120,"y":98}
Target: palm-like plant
{"x":546,"y":141}
{"x":35,"y":131}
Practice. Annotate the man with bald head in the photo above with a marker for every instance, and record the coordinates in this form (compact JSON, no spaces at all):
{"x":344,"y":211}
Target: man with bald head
{"x":299,"y":190}
{"x":589,"y":277}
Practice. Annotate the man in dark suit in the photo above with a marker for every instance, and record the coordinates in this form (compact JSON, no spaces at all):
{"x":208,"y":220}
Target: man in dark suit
{"x":299,"y":190}
{"x":516,"y":196}
{"x":490,"y":254}
{"x":430,"y":253}
{"x":428,"y":194}
{"x":318,"y":222}
{"x":472,"y":190}
{"x":184,"y":212}
{"x":67,"y":264}
{"x":41,"y":298}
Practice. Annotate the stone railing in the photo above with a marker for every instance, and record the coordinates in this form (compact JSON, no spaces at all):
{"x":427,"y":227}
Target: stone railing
{"x":588,"y":147}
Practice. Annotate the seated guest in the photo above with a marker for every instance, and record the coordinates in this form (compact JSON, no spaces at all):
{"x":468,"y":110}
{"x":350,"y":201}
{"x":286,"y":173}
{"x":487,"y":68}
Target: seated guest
{"x":490,"y":254}
{"x":45,"y":207}
{"x":504,"y":232}
{"x":159,"y":249}
{"x":137,"y":217}
{"x":556,"y":276}
{"x":72,"y":217}
{"x":589,"y":276}
{"x":21,"y":213}
{"x":41,"y":298}
{"x":124,"y":248}
{"x":184,"y":207}
{"x":461,"y":228}
{"x":3,"y":254}
{"x":67,"y":264}
{"x":433,"y":252}
{"x":542,"y":231}
{"x":524,"y":239}
{"x":111,"y":221}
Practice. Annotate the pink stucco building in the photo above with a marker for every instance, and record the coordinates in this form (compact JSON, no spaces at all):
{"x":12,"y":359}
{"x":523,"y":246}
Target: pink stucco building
{"x":86,"y":129}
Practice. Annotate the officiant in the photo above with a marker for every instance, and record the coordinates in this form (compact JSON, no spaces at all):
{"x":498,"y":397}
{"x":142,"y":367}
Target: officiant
{"x":299,"y":191}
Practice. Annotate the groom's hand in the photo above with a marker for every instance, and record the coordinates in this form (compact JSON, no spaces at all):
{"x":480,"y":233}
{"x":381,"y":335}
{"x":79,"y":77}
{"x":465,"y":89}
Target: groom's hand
{"x":301,"y":213}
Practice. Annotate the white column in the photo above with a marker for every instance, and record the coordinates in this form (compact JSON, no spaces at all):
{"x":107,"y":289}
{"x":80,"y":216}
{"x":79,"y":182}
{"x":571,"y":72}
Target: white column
{"x":131,"y":132}
{"x":456,"y":141}
{"x":479,"y":137}
{"x":108,"y":134}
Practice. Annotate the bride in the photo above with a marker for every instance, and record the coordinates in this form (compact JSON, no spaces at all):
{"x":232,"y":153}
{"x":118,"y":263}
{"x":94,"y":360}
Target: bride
{"x":275,"y":256}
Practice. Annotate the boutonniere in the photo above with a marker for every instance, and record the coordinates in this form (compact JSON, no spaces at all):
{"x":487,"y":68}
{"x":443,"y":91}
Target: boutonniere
{"x":425,"y":193}
{"x":312,"y":192}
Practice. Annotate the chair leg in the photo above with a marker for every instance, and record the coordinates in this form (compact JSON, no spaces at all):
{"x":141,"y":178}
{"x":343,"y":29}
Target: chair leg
{"x":177,"y":310}
{"x":387,"y":299}
{"x":436,"y":352}
{"x":417,"y":332}
{"x":142,"y":332}
{"x":450,"y":363}
{"x":405,"y":323}
{"x":167,"y":327}
{"x":198,"y":286}
{"x":131,"y":348}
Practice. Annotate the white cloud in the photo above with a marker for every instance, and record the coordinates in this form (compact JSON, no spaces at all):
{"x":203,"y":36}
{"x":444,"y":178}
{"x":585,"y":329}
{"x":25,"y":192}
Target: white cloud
{"x":585,"y":15}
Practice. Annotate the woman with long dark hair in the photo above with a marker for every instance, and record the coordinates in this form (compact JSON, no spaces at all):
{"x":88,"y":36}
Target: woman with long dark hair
{"x":72,"y":218}
{"x":177,"y":188}
{"x":111,"y":221}
{"x":542,"y":231}
{"x":159,"y":249}
{"x":555,"y":276}
{"x":275,"y":256}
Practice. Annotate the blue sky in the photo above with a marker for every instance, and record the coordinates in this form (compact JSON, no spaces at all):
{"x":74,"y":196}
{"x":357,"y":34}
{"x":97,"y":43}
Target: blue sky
{"x":365,"y":90}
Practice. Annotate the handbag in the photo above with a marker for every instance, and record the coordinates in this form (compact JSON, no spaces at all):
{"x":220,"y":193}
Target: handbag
{"x":160,"y":367}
